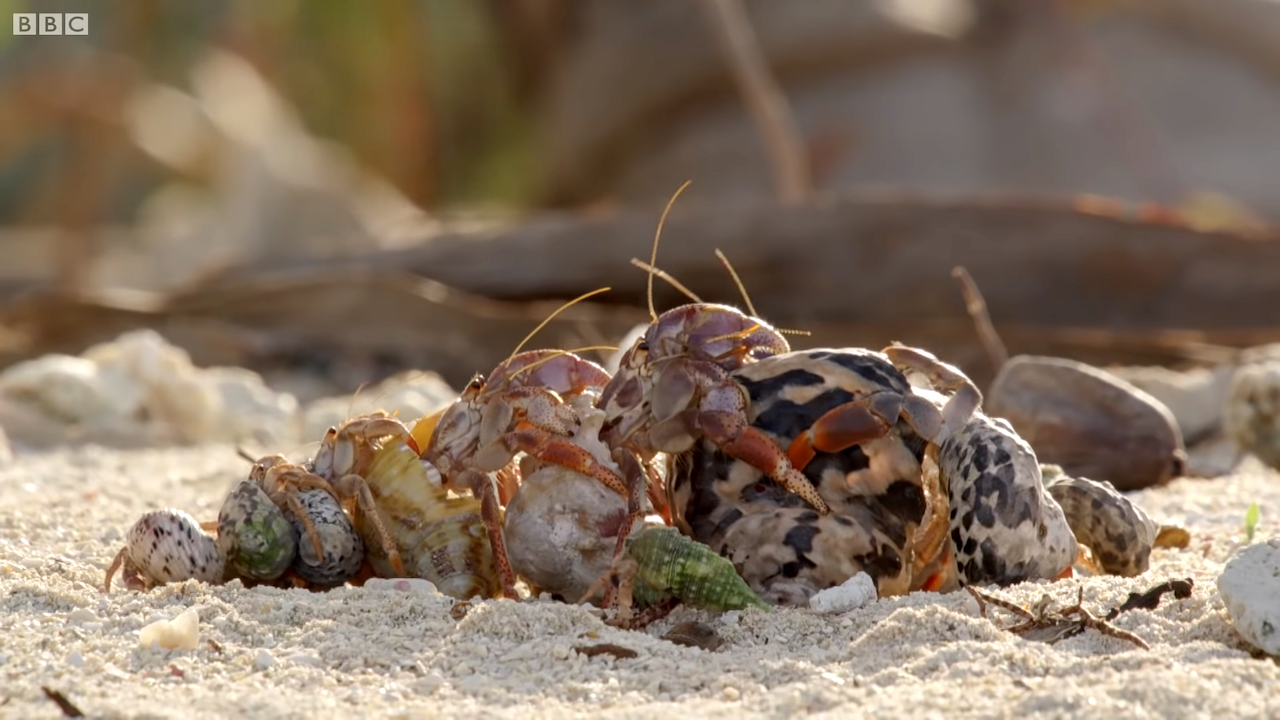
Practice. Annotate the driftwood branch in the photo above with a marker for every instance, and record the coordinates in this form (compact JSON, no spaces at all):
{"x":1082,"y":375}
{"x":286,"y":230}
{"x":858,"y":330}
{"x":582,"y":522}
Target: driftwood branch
{"x":763,"y":97}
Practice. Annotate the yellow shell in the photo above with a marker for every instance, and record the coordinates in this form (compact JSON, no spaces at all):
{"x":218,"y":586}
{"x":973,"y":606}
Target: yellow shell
{"x":426,"y":425}
{"x":441,"y":538}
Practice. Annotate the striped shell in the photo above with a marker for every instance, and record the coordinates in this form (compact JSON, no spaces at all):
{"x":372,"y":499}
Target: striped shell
{"x":343,"y":549}
{"x":441,"y":538}
{"x":166,"y":546}
{"x":688,"y":570}
{"x":257,"y":540}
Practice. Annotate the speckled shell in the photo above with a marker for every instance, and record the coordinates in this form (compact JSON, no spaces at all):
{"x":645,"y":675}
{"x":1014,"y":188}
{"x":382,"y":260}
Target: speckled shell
{"x":784,"y":549}
{"x":1005,"y":528}
{"x":1252,"y":415}
{"x":343,"y":549}
{"x":257,"y":540}
{"x":1119,"y":533}
{"x":440,"y":537}
{"x":168,"y":546}
{"x":688,"y":570}
{"x":1092,"y":423}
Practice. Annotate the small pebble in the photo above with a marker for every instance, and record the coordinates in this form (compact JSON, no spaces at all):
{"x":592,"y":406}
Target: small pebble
{"x":75,"y":659}
{"x":263,"y":661}
{"x":731,"y":693}
{"x":852,"y":594}
{"x":560,"y":652}
{"x":402,"y":585}
{"x":81,"y":615}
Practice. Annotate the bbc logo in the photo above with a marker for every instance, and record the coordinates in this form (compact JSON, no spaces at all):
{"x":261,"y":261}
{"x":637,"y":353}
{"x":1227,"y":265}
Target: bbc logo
{"x":51,"y":23}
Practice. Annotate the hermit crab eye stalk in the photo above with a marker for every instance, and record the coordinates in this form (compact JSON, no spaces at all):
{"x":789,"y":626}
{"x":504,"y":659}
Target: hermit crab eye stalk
{"x":477,"y":382}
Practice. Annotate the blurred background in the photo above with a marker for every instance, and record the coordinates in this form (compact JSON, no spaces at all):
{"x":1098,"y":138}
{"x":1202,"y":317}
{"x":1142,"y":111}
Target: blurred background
{"x":353,"y":189}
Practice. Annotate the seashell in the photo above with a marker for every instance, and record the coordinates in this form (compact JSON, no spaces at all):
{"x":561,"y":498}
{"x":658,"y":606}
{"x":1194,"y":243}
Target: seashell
{"x":1117,"y":532}
{"x":254,"y":535}
{"x":688,"y":570}
{"x":562,"y":529}
{"x":441,"y":537}
{"x":1252,"y":415}
{"x":343,"y":549}
{"x":166,"y":546}
{"x":1089,"y":421}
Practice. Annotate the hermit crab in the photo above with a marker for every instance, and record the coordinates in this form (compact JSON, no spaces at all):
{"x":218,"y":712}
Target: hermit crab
{"x":526,"y":404}
{"x":166,"y":546}
{"x":410,"y":525}
{"x":674,"y":387}
{"x":851,"y":421}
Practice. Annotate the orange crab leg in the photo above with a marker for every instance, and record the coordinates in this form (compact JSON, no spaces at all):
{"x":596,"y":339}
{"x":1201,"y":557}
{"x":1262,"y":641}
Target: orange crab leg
{"x":561,"y":451}
{"x":839,"y":429}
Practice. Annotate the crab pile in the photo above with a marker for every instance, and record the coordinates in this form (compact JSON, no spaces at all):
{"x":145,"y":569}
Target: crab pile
{"x":717,"y":467}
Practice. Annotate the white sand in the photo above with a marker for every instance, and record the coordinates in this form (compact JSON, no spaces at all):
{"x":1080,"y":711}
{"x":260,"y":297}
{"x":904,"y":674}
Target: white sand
{"x":388,"y":653}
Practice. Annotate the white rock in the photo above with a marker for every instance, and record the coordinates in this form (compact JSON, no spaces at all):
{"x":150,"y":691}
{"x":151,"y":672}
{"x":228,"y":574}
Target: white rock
{"x":409,"y":395}
{"x":182,"y":632}
{"x":1250,"y":588}
{"x":252,"y":409}
{"x":1252,"y":418}
{"x":263,"y":661}
{"x":402,"y":585}
{"x":850,"y":595}
{"x":69,"y":388}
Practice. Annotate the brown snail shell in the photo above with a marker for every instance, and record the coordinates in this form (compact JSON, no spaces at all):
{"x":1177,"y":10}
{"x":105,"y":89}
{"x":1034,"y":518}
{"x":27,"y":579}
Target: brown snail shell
{"x":1089,"y":421}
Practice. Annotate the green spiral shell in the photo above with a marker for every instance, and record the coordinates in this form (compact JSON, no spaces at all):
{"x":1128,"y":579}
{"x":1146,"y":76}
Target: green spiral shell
{"x":684,"y":568}
{"x":254,"y":535}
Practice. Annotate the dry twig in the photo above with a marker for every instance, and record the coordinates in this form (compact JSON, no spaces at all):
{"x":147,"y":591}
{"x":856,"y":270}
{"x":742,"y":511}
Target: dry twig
{"x":764,"y":98}
{"x":976,"y":306}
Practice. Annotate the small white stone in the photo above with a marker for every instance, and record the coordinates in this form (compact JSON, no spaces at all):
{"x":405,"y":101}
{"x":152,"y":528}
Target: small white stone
{"x":263,"y":661}
{"x":80,"y":616}
{"x":402,"y":585}
{"x":181,"y":632}
{"x":560,"y":652}
{"x":853,"y":593}
{"x":75,"y":659}
{"x":305,"y":659}
{"x":1250,"y":588}
{"x":731,"y":693}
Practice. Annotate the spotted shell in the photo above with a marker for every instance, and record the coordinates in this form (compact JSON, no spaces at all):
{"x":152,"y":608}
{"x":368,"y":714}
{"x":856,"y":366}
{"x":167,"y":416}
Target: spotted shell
{"x":1005,"y":528}
{"x":784,"y":549}
{"x":257,"y":540}
{"x":440,"y":537}
{"x":1252,"y":416}
{"x":167,"y":546}
{"x":1091,"y":422}
{"x":343,"y":549}
{"x":1118,"y":532}
{"x":688,"y":570}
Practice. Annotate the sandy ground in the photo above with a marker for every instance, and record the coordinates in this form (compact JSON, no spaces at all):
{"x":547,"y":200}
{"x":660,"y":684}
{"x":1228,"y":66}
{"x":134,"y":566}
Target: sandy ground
{"x":268,"y":653}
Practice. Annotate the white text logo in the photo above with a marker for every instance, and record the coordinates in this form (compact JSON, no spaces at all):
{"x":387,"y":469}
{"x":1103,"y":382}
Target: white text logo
{"x":51,"y":23}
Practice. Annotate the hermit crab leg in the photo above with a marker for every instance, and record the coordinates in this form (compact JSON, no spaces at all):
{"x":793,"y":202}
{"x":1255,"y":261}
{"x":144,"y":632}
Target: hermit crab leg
{"x":844,"y":426}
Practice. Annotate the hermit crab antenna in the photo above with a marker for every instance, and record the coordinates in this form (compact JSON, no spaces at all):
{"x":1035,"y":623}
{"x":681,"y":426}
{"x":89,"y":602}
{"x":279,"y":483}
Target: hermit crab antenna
{"x":742,"y":289}
{"x":653,"y":258}
{"x":550,"y":317}
{"x":667,"y":277}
